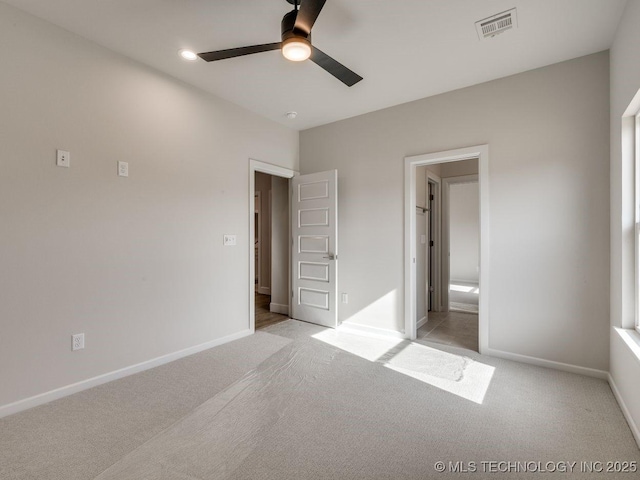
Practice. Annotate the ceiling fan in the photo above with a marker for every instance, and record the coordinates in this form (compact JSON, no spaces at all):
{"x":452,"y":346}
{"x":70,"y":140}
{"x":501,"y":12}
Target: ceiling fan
{"x":296,"y":43}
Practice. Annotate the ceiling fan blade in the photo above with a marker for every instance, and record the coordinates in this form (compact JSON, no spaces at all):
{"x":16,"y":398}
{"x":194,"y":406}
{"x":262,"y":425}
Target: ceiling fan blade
{"x":334,"y":67}
{"x":238,"y":52}
{"x":307,"y":15}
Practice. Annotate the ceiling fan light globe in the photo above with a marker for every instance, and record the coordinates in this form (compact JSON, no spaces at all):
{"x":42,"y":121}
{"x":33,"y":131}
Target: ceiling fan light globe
{"x":296,"y":49}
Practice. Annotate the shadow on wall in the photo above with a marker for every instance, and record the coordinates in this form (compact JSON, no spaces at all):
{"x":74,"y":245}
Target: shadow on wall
{"x":377,"y":313}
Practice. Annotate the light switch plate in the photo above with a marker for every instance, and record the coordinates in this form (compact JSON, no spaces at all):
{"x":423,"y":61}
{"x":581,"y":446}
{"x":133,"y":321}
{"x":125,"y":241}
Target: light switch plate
{"x":63,"y":158}
{"x":423,"y":239}
{"x":229,"y":240}
{"x":123,"y":169}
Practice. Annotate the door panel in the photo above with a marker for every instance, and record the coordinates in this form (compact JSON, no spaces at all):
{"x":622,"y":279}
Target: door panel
{"x":313,"y":244}
{"x":315,"y":248}
{"x":314,"y":271}
{"x":316,"y":217}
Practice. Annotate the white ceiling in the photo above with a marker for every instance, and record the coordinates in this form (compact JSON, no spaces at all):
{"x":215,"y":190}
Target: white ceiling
{"x":404,"y":49}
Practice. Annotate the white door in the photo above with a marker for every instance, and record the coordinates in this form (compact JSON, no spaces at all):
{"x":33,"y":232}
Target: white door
{"x":314,"y":226}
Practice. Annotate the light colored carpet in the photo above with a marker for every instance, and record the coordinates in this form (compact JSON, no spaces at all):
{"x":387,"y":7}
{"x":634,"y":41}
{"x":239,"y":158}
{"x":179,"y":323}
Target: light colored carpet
{"x":78,"y":437}
{"x":329,"y":406}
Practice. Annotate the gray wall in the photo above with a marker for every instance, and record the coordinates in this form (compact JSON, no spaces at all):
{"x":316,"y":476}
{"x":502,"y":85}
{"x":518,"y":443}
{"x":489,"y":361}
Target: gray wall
{"x":625,"y":82}
{"x":464,"y":232}
{"x":136,"y":263}
{"x":549,"y":206}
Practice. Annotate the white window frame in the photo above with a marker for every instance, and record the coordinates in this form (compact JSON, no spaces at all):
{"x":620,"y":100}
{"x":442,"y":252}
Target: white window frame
{"x":637,"y":217}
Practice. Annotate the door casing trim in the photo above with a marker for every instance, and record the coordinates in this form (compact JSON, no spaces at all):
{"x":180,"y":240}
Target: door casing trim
{"x":436,"y":212}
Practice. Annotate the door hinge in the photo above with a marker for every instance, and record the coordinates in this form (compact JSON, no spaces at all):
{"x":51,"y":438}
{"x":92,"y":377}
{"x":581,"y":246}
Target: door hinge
{"x":431,"y":197}
{"x":431,"y":243}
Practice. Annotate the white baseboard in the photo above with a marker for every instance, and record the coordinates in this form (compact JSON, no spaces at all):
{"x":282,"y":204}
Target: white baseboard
{"x":67,"y":390}
{"x":367,"y":330}
{"x":625,"y":411}
{"x":264,"y":290}
{"x":278,"y":308}
{"x":421,"y":322}
{"x":541,"y":362}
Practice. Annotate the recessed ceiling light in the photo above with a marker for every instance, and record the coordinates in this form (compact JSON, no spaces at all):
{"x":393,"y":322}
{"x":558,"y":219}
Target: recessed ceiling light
{"x":188,"y":55}
{"x":291,"y":115}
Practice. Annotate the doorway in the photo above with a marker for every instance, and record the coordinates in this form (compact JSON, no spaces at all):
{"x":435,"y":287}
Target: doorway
{"x":454,"y":322}
{"x":269,"y":250}
{"x":444,"y":167}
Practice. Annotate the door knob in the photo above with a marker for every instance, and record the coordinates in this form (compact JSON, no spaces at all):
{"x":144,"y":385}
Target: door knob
{"x":331,"y":256}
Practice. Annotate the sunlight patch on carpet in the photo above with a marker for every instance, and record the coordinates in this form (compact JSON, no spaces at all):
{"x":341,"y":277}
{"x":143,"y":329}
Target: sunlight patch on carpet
{"x":456,"y":374}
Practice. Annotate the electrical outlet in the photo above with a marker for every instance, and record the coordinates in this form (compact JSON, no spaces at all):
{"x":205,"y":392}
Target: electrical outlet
{"x":345,"y":298}
{"x":123,"y":169}
{"x":77,"y":341}
{"x":63,"y":158}
{"x":229,"y":240}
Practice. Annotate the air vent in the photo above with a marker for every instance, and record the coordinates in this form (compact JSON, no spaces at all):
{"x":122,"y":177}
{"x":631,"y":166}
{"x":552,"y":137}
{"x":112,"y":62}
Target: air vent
{"x":492,"y":26}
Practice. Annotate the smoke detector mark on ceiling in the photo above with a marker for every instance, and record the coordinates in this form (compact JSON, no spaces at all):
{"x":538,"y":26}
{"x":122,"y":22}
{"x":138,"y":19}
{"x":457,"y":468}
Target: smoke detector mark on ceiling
{"x":496,"y":24}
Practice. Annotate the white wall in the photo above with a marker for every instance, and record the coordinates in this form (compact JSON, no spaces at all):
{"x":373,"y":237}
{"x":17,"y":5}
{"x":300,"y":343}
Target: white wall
{"x":279,"y":242}
{"x":135,"y":263}
{"x":464,"y":232}
{"x":547,"y":131}
{"x":625,"y":83}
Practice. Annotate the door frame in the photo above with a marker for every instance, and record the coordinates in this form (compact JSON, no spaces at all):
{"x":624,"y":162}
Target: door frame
{"x":481,"y":152}
{"x":276,"y":171}
{"x":446,"y":229}
{"x":258,"y":226}
{"x":436,"y":266}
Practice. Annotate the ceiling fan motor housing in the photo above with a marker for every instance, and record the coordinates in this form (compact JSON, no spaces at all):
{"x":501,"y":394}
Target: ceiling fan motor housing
{"x":288,"y":30}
